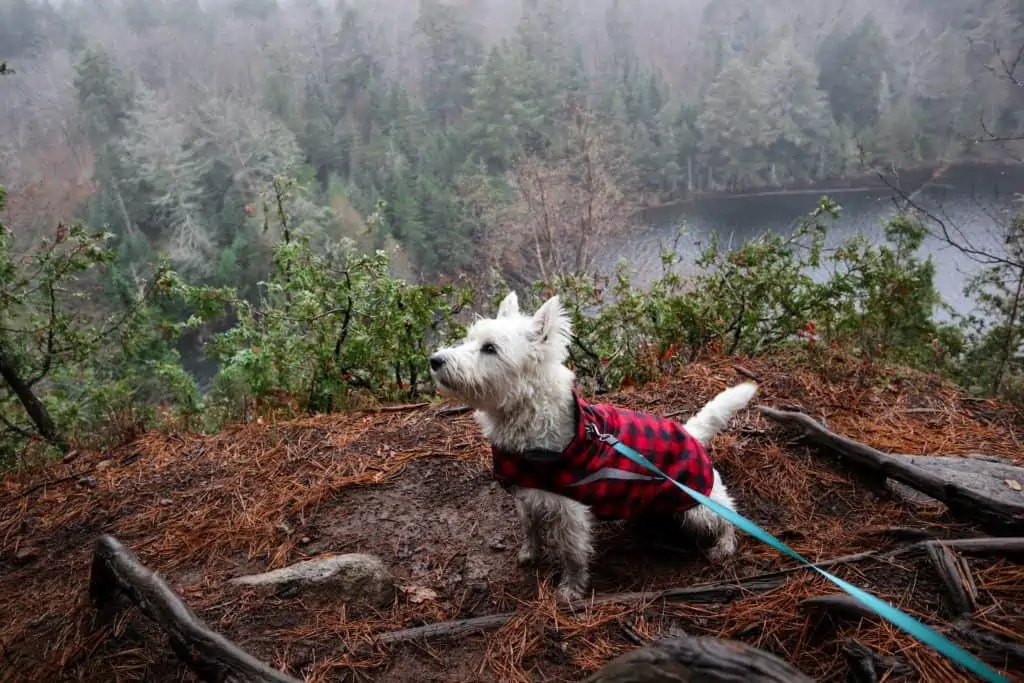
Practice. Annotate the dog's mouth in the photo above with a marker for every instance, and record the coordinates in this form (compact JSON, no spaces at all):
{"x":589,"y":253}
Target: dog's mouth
{"x":439,"y":381}
{"x":451,"y":387}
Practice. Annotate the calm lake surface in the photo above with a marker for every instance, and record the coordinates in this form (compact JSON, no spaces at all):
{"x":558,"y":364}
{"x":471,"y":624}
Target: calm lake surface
{"x":975,"y":200}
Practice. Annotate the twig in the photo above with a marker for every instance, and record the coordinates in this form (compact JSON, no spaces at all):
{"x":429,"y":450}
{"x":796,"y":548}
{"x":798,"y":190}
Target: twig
{"x":900,"y":532}
{"x":396,"y":409}
{"x":23,"y":433}
{"x":724,"y":591}
{"x":446,"y":628}
{"x":956,"y":577}
{"x":749,"y":374}
{"x":633,"y":636}
{"x":116,"y":569}
{"x":963,"y":501}
{"x":43,"y":484}
{"x":455,"y":410}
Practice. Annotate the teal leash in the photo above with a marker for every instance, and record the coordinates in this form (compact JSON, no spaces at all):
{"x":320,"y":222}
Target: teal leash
{"x":894,"y":616}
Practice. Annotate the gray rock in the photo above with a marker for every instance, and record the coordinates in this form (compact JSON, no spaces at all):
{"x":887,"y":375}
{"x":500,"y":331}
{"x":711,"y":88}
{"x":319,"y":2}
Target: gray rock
{"x":355,"y":577}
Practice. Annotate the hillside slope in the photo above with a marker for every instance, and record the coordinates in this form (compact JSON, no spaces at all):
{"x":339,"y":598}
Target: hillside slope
{"x":413,"y":486}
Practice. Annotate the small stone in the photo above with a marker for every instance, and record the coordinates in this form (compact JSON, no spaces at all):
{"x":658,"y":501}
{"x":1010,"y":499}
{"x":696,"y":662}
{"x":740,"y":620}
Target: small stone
{"x":476,"y":569}
{"x":417,"y":594}
{"x":87,"y":482}
{"x":304,"y":540}
{"x":497,"y":543}
{"x":356,"y":577}
{"x":166,"y":501}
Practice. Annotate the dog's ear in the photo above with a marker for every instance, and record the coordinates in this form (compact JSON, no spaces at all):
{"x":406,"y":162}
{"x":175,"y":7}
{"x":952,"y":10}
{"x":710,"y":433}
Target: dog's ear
{"x":550,"y":323}
{"x":509,"y":306}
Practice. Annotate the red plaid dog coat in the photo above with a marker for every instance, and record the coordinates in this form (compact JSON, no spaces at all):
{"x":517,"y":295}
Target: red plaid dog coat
{"x":612,"y":485}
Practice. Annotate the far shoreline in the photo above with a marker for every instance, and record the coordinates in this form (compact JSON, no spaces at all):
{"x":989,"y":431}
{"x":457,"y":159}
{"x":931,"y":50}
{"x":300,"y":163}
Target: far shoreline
{"x":912,"y":178}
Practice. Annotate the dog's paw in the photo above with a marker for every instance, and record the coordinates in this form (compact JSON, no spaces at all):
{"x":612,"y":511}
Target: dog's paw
{"x":722,"y":550}
{"x":569,"y":591}
{"x":527,"y":555}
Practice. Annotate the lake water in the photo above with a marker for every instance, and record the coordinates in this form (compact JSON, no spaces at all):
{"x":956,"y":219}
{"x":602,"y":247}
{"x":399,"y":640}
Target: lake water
{"x":974,"y":200}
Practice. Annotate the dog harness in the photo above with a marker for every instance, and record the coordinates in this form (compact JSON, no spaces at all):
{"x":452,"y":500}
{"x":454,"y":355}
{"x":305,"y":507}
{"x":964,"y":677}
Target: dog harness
{"x":613,"y":486}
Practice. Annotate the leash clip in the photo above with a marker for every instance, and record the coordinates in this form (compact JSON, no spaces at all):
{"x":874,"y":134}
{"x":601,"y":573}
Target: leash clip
{"x":594,"y":433}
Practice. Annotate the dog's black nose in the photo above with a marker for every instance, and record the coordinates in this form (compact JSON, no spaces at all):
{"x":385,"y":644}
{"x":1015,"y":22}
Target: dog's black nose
{"x":436,"y":362}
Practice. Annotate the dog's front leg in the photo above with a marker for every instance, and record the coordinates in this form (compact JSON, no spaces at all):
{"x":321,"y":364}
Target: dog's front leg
{"x":530,"y":522}
{"x":569,"y":531}
{"x":563,"y":526}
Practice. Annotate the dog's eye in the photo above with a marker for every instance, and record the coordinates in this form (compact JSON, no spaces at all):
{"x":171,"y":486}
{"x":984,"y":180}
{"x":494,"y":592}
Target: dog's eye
{"x":489,"y":348}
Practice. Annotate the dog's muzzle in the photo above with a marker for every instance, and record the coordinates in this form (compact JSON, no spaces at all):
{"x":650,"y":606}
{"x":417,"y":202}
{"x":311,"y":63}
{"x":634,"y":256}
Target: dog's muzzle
{"x":438,"y":370}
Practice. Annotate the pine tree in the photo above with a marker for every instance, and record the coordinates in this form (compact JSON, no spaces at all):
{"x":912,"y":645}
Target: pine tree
{"x":852,"y":70}
{"x":451,"y":54}
{"x":492,"y":129}
{"x":798,"y":118}
{"x":734,"y":131}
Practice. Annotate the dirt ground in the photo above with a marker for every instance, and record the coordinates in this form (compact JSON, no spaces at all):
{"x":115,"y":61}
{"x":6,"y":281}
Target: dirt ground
{"x":413,"y":486}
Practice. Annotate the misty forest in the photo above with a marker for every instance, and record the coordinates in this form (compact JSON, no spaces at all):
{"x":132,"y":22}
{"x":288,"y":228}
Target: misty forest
{"x":267,"y":185}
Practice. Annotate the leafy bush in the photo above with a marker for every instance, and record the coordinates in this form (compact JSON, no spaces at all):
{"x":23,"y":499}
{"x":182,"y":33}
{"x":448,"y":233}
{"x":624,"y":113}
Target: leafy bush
{"x":876,"y":301}
{"x":992,"y":359}
{"x":326,"y":323}
{"x":71,"y":368}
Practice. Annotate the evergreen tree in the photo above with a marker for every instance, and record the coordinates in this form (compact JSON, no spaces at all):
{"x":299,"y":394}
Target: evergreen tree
{"x":797,"y":117}
{"x":451,"y":54}
{"x":733,"y":129}
{"x":852,"y":71}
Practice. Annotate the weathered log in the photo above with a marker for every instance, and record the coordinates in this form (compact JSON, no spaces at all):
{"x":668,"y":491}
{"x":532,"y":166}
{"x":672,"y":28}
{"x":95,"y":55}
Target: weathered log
{"x":990,"y":508}
{"x":116,"y":570}
{"x":693,"y":659}
{"x":1003,"y":546}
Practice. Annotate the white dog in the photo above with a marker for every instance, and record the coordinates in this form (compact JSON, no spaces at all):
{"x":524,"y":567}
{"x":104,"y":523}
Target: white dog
{"x":546,"y":445}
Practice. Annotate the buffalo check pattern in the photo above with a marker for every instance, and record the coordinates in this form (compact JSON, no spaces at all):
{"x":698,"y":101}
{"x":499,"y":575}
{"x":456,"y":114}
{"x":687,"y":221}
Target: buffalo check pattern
{"x":613,"y":486}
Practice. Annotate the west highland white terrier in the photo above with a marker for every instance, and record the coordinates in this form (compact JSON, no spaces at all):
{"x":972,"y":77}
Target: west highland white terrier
{"x":546,"y":448}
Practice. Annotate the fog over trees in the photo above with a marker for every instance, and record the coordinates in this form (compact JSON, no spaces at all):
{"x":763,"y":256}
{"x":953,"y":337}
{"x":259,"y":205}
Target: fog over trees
{"x":512,"y":134}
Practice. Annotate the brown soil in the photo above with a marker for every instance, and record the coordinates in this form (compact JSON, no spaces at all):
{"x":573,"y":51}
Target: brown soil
{"x":413,"y":486}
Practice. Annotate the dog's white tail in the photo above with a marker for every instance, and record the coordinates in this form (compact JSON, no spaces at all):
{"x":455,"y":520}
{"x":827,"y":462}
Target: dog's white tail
{"x":716,"y":413}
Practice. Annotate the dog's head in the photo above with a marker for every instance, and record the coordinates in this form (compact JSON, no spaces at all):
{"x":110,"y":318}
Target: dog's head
{"x":506,"y":357}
